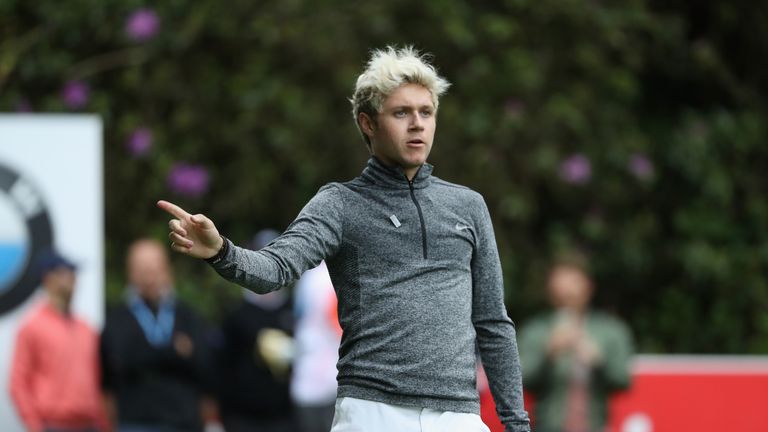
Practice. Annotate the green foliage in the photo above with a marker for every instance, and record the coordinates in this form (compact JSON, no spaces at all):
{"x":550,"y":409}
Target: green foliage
{"x":666,"y":104}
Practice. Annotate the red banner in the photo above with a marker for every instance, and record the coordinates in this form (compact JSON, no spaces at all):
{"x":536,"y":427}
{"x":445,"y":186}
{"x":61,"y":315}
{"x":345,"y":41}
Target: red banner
{"x":685,"y":393}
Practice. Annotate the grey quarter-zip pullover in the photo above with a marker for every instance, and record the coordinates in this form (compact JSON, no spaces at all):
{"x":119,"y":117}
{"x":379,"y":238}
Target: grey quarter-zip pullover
{"x":419,"y":284}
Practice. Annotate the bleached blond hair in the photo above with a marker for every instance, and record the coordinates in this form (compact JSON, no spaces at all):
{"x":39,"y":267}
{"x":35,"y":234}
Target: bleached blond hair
{"x":387,"y":70}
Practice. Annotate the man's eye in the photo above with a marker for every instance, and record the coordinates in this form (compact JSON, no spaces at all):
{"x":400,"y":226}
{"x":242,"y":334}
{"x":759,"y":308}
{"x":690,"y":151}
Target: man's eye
{"x":426,"y":113}
{"x":400,"y":114}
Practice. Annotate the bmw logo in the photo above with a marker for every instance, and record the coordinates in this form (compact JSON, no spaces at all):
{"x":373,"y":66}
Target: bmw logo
{"x":25,"y":229}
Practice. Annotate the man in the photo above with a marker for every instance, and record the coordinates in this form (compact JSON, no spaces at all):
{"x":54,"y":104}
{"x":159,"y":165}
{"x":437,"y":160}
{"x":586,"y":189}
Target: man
{"x":153,"y":350}
{"x":55,"y":369}
{"x":254,"y":360}
{"x":413,"y":260}
{"x":318,"y":335}
{"x":574,"y":358}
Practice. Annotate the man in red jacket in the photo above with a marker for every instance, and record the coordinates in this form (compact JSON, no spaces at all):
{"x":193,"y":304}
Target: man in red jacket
{"x":55,"y":369}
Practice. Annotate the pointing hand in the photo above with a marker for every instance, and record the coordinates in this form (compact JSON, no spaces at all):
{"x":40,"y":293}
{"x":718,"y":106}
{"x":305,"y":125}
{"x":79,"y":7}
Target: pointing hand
{"x":193,"y":235}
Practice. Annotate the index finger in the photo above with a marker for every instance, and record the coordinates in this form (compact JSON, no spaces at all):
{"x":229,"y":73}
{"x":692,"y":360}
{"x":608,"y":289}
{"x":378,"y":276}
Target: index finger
{"x":173,"y":209}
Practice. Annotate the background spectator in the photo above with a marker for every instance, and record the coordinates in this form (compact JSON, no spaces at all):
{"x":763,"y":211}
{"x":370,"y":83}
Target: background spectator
{"x":55,"y":370}
{"x":154,"y":354}
{"x":318,"y":335}
{"x":574,"y":357}
{"x":254,"y":376}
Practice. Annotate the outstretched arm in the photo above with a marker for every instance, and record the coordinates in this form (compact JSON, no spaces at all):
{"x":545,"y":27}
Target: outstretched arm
{"x":193,"y":235}
{"x":313,"y":236}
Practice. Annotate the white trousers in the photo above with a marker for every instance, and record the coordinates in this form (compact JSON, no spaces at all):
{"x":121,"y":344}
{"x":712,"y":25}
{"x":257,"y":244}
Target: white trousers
{"x":358,"y":415}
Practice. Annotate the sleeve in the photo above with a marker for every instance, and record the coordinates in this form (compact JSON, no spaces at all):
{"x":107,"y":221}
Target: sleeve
{"x":105,"y":365}
{"x":614,"y":372}
{"x":314,"y":235}
{"x":22,"y":370}
{"x":203,"y":360}
{"x":234,"y":346}
{"x":102,"y":418}
{"x":533,"y":356}
{"x":496,"y":336}
{"x":536,"y":363}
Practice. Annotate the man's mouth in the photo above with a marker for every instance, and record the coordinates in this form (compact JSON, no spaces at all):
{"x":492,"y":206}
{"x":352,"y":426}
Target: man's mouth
{"x":415,"y":141}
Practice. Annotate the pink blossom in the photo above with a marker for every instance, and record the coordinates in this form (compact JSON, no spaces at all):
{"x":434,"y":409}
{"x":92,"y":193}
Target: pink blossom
{"x":75,"y":94}
{"x":576,"y":169}
{"x":188,"y":180}
{"x":140,"y":141}
{"x":143,"y":24}
{"x":640,"y":166}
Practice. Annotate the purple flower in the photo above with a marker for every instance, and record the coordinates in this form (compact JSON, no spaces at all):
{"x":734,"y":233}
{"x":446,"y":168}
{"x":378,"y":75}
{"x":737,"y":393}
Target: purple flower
{"x":142,"y":24}
{"x":188,"y":180}
{"x":75,"y":94}
{"x":576,"y":169}
{"x":640,"y":166}
{"x":139,"y":142}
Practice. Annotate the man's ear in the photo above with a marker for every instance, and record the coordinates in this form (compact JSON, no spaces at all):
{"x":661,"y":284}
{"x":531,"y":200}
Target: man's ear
{"x":367,"y":124}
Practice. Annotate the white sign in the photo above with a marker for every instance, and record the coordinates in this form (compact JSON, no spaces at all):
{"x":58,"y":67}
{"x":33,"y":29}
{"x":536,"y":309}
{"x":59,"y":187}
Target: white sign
{"x":51,"y":194}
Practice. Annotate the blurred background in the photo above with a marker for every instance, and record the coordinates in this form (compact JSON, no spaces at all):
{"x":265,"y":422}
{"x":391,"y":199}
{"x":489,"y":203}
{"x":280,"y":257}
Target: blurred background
{"x":632,"y":130}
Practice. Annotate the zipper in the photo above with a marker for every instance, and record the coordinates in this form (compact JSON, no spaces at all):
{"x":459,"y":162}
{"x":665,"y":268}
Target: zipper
{"x":421,"y":219}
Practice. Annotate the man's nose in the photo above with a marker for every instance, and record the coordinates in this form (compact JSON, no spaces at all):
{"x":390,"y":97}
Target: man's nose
{"x":417,"y":122}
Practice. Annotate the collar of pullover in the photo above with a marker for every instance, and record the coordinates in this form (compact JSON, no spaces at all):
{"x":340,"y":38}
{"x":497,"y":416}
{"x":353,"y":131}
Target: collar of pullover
{"x":394,"y":177}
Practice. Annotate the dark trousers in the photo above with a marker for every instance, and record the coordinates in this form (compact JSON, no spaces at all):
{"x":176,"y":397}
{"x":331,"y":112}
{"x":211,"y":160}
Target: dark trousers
{"x":315,"y":418}
{"x":249,"y":424}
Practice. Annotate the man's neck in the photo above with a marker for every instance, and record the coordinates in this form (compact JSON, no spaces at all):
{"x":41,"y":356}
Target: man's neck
{"x":577,"y":313}
{"x":410,"y":172}
{"x":60,"y":305}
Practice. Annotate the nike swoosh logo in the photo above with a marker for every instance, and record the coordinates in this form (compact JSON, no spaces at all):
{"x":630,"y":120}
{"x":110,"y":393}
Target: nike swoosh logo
{"x":460,"y":227}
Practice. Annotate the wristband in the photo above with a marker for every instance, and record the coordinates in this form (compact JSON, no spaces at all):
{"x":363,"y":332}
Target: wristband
{"x":221,"y":253}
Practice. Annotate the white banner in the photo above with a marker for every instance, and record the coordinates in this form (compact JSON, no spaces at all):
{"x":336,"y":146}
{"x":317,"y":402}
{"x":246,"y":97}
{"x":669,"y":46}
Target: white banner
{"x":51,"y":194}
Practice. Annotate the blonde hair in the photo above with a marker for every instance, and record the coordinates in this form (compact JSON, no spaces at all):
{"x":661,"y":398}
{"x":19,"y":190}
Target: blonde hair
{"x":387,"y":70}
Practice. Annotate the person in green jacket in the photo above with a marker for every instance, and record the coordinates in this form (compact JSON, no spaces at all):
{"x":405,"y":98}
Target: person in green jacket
{"x":573,"y":358}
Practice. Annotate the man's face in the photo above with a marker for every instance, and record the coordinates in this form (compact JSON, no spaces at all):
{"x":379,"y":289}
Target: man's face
{"x":149,"y":271}
{"x":60,"y":283}
{"x":402,"y":133}
{"x":569,"y":288}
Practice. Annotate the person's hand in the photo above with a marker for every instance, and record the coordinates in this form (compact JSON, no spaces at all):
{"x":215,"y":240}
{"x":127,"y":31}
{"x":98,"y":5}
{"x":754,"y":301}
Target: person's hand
{"x":276,"y":349}
{"x":193,"y":235}
{"x":183,"y":345}
{"x":562,"y":338}
{"x":588,"y":352}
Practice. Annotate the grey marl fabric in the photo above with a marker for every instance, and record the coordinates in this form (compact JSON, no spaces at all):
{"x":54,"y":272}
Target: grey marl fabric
{"x":419,"y":283}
